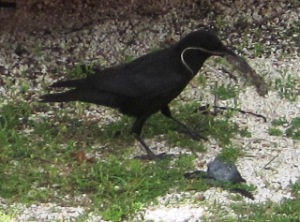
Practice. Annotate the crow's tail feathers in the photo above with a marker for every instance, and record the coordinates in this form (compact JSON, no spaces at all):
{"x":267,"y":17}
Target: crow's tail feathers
{"x":71,"y":95}
{"x":77,"y":83}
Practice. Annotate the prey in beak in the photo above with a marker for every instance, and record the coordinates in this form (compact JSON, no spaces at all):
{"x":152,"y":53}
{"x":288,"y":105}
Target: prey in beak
{"x":247,"y":72}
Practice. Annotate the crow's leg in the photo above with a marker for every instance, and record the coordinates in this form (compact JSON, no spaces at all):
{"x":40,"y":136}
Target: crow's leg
{"x":194,"y":135}
{"x":136,"y":131}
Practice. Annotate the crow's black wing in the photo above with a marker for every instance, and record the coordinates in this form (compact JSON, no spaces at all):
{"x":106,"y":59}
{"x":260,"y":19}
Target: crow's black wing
{"x":149,"y":76}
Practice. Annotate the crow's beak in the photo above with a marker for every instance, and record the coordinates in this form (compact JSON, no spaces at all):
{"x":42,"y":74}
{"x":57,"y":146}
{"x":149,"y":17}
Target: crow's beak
{"x":244,"y":68}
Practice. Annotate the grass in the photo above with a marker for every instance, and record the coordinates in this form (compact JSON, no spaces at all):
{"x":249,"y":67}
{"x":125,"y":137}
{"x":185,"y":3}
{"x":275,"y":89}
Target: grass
{"x":40,"y":163}
{"x":80,"y":70}
{"x":230,"y":154}
{"x":39,"y":166}
{"x":259,"y":49}
{"x":5,"y":217}
{"x":282,"y":127}
{"x":225,"y":91}
{"x":287,"y":86}
{"x":293,"y":130}
{"x":287,"y":210}
{"x":275,"y":132}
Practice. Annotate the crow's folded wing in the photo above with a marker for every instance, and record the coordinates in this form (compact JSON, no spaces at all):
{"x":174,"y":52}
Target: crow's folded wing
{"x":150,"y":76}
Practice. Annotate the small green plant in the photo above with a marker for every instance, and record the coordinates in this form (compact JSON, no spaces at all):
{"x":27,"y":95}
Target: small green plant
{"x":202,"y":80}
{"x":279,"y":122}
{"x":220,"y":23}
{"x":230,"y":154}
{"x":275,"y":132}
{"x":259,"y":49}
{"x":224,"y":91}
{"x":5,"y":217}
{"x":288,"y":86}
{"x":223,"y":130}
{"x":293,"y":130}
{"x":81,"y":70}
{"x":244,"y":132}
{"x":14,"y":117}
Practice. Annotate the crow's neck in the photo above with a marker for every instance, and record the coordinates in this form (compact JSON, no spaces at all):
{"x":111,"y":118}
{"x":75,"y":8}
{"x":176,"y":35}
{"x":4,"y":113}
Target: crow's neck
{"x":192,"y":60}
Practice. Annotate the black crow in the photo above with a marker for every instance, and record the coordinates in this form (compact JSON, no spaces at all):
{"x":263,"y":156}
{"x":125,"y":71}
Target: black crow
{"x":149,"y":83}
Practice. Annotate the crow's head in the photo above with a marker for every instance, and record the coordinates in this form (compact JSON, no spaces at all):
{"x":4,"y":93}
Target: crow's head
{"x":205,"y":42}
{"x":197,"y":46}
